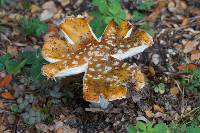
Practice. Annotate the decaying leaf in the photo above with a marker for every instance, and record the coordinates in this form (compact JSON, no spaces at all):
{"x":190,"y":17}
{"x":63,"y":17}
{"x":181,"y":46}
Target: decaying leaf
{"x":5,"y":81}
{"x":156,"y":12}
{"x":7,"y":95}
{"x":174,"y":91}
{"x":52,"y":28}
{"x":187,"y":67}
{"x":106,"y":74}
{"x":189,"y":46}
{"x":158,"y":108}
{"x":151,"y":71}
{"x":149,"y":113}
{"x":195,"y":55}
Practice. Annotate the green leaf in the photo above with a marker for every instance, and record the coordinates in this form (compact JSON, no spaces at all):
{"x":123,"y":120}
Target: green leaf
{"x":183,"y":128}
{"x":150,"y":128}
{"x":114,"y":7}
{"x":146,"y":27}
{"x":14,"y":67}
{"x":36,"y":73}
{"x":34,"y":58}
{"x":29,"y":56}
{"x":98,"y":26}
{"x":192,"y":130}
{"x":2,"y":67}
{"x":122,"y":15}
{"x":131,"y":129}
{"x":107,"y":19}
{"x":26,"y":4}
{"x":145,"y":5}
{"x":141,"y":126}
{"x":32,"y":27}
{"x":137,"y":16}
{"x":102,"y":5}
{"x":5,"y":58}
{"x":161,"y":128}
{"x":14,"y":108}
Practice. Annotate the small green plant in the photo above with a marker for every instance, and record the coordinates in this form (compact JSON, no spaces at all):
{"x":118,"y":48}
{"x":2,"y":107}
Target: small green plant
{"x":145,"y":5}
{"x":26,"y":4}
{"x":10,"y":65}
{"x":160,"y":88}
{"x":3,"y":2}
{"x":107,"y":10}
{"x":161,"y":127}
{"x":35,"y":60}
{"x":30,"y":114}
{"x":32,"y":27}
{"x":148,"y":127}
{"x":32,"y":58}
{"x":138,"y":15}
{"x":192,"y":83}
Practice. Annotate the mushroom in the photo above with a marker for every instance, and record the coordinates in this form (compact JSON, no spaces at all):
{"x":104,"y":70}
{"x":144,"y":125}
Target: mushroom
{"x":106,"y":75}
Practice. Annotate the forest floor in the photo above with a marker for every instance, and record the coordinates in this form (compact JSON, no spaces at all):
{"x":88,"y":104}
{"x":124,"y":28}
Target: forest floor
{"x":171,"y":66}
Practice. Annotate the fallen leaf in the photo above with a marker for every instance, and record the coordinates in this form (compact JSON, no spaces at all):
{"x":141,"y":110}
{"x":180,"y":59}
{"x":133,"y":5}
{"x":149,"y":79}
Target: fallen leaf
{"x":149,"y":113}
{"x":52,"y":28}
{"x":195,"y":55}
{"x":189,"y":46}
{"x":158,"y":108}
{"x":151,"y":71}
{"x":58,"y":130}
{"x":34,"y":8}
{"x":177,"y":6}
{"x":2,"y":106}
{"x":156,"y":12}
{"x":185,"y":21}
{"x":5,"y":81}
{"x":174,"y":91}
{"x":12,"y":50}
{"x":42,"y":127}
{"x":187,"y":67}
{"x":7,"y":95}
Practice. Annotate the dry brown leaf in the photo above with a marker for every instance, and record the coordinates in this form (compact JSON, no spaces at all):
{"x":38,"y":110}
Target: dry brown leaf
{"x":7,"y":95}
{"x":187,"y":67}
{"x":156,"y":12}
{"x":52,"y":28}
{"x":195,"y":55}
{"x":58,"y":130}
{"x":5,"y":81}
{"x":189,"y":46}
{"x":2,"y":106}
{"x":34,"y":8}
{"x":149,"y":113}
{"x":177,"y":6}
{"x":151,"y":71}
{"x":12,"y":50}
{"x":158,"y":108}
{"x":185,"y":21}
{"x":174,"y":91}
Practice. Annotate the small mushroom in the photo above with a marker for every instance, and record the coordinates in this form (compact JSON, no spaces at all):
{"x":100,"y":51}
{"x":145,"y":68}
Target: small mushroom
{"x":100,"y":59}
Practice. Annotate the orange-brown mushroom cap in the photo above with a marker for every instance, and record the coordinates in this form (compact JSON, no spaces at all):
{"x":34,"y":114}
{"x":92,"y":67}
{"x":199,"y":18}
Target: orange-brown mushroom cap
{"x":106,"y":75}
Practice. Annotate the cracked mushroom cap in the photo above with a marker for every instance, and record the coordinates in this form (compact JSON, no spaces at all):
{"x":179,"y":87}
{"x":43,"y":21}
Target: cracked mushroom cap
{"x":106,"y":75}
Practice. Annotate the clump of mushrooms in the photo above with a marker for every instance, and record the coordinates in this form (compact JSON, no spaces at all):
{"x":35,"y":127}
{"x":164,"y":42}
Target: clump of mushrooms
{"x":101,"y":60}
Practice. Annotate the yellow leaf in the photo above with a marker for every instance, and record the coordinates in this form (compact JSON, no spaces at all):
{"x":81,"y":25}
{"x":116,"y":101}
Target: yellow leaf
{"x":189,"y":46}
{"x":151,"y":71}
{"x":174,"y":91}
{"x":149,"y":113}
{"x":158,"y":108}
